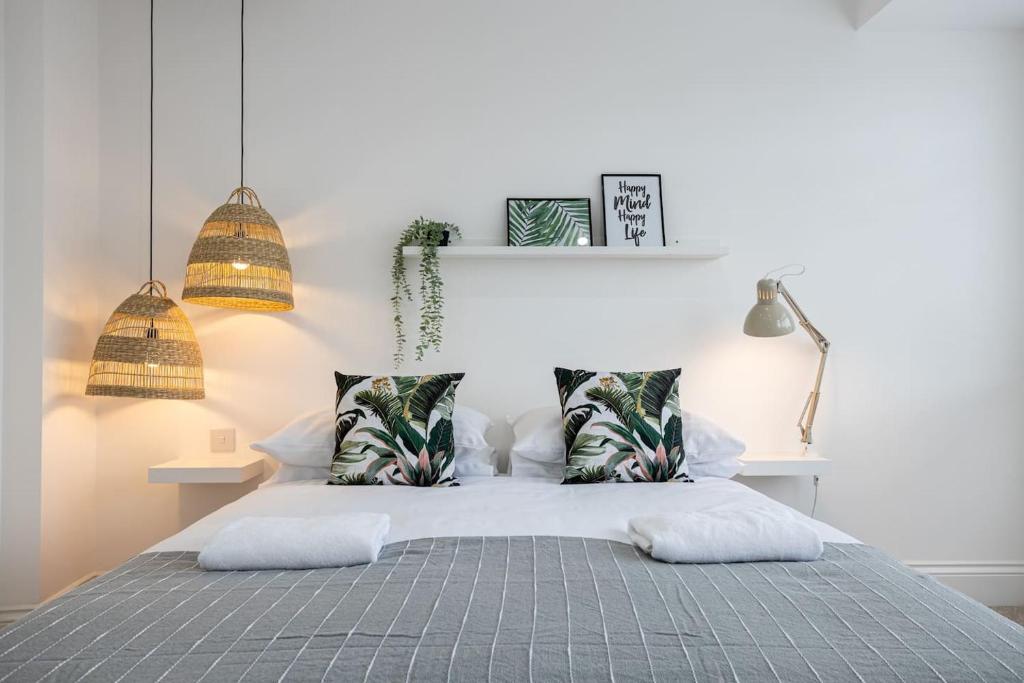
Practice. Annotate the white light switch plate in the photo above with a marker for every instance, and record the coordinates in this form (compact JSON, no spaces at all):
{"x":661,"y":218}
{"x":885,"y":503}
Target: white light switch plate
{"x":222,"y":440}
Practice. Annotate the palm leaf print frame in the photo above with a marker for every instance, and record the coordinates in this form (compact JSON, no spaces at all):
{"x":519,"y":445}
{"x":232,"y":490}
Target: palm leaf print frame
{"x":547,"y":222}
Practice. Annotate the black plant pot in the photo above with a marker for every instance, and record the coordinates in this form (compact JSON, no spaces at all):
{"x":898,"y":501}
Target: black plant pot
{"x":445,"y":236}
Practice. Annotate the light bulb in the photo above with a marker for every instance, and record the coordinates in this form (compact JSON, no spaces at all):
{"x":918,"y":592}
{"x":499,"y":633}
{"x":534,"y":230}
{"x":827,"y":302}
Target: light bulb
{"x":583,"y":241}
{"x":240,"y":264}
{"x":151,"y":365}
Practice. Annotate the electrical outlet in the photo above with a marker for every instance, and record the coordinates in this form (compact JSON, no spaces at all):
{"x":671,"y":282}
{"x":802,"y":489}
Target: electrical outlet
{"x":222,"y":440}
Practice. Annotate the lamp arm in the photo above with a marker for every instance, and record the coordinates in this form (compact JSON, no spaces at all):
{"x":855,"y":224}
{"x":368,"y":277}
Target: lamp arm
{"x":806,"y":421}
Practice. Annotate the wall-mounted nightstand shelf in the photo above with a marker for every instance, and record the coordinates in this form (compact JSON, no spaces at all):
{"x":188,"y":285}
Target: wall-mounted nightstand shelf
{"x":211,"y":469}
{"x":694,"y":249}
{"x":783,"y":465}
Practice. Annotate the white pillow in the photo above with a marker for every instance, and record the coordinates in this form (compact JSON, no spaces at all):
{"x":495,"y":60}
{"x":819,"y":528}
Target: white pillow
{"x":474,"y":462}
{"x":470,"y":426}
{"x":520,"y":466}
{"x":726,"y":468}
{"x":706,"y":442}
{"x":710,"y":450}
{"x":308,"y":442}
{"x":286,"y":473}
{"x":538,"y":435}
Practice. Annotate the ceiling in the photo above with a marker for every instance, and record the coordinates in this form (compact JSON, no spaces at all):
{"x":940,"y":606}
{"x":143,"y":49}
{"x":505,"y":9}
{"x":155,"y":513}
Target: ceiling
{"x":941,"y":14}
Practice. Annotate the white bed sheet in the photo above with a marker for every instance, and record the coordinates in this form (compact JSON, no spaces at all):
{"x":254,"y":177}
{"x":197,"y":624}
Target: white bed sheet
{"x":492,"y":506}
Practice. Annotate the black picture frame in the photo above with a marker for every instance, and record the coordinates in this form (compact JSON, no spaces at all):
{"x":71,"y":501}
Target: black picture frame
{"x":661,"y":202}
{"x":590,"y":216}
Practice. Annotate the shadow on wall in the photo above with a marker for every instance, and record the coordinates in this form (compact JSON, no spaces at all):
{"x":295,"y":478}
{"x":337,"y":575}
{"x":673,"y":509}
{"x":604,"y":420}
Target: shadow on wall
{"x":858,"y":12}
{"x":195,"y":501}
{"x":64,"y":377}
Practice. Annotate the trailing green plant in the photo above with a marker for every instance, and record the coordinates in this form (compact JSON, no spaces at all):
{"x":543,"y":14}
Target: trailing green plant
{"x":428,"y":235}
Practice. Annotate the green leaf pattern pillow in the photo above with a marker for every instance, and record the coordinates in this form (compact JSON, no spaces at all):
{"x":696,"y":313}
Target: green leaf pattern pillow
{"x":621,"y":426}
{"x":394,"y":430}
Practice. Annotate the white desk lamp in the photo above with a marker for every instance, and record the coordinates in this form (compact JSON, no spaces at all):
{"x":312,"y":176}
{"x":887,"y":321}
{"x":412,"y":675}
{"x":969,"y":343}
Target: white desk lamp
{"x":769,"y":318}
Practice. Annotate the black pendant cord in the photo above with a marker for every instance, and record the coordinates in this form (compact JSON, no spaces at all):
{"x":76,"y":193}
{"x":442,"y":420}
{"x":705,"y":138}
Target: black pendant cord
{"x":151,"y":4}
{"x":241,"y":125}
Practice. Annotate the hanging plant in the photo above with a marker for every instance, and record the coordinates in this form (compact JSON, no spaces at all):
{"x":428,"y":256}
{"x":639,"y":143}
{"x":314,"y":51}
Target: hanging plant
{"x":429,"y":235}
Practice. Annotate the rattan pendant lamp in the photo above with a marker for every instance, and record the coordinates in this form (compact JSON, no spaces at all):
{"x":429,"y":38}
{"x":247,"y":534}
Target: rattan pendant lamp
{"x":239,"y":259}
{"x":147,"y":348}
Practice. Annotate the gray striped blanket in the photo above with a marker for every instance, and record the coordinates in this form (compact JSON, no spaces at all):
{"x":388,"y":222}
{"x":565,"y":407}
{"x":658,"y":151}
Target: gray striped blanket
{"x":516,"y":609}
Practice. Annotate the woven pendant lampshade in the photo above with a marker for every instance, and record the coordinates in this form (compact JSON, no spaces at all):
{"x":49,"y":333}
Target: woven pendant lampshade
{"x":147,"y":350}
{"x":239,"y":259}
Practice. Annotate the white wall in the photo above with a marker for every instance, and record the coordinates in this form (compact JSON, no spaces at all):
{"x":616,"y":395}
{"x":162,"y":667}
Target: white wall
{"x":71,"y":267}
{"x":47,"y":519}
{"x":889,"y":163}
{"x":3,"y":215}
{"x":22,"y":273}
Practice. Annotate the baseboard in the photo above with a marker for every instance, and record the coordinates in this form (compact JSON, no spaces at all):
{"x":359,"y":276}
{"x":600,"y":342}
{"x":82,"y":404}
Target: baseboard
{"x":1000,"y":584}
{"x":86,"y":578}
{"x":12,"y":613}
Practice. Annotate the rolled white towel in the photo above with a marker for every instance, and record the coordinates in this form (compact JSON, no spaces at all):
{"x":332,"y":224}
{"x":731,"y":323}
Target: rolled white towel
{"x":253,"y":543}
{"x":725,"y":536}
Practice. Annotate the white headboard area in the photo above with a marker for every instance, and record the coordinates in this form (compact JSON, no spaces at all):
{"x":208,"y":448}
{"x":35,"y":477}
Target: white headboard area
{"x":787,"y":137}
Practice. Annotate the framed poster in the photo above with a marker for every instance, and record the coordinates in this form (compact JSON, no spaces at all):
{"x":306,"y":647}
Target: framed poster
{"x":633,"y":215}
{"x":549,"y":222}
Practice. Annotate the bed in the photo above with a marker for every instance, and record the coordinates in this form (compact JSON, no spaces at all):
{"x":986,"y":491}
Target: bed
{"x":512,"y":579}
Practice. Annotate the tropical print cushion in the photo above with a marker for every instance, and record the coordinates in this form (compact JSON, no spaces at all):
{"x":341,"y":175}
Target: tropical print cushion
{"x":621,"y":426}
{"x":394,"y":430}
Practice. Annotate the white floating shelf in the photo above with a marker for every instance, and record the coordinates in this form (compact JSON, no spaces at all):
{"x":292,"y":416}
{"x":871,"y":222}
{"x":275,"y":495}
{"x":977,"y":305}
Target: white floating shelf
{"x":211,"y":469}
{"x":783,"y":464}
{"x":686,"y":250}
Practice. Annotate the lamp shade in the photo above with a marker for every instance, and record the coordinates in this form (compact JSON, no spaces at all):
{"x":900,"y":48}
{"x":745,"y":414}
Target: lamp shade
{"x":147,"y":350}
{"x":239,"y":260}
{"x":768,"y":317}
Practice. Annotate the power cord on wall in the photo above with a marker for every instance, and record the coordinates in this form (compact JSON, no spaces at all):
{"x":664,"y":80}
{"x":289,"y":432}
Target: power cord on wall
{"x":814,"y":504}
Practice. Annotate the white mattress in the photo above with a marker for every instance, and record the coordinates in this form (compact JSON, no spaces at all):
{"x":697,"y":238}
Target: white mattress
{"x":491,"y":506}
